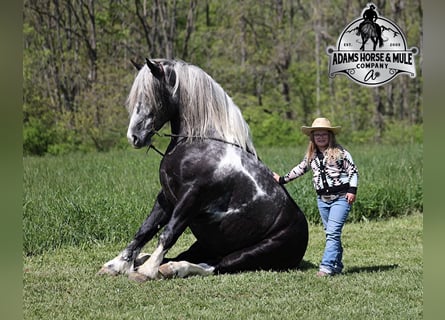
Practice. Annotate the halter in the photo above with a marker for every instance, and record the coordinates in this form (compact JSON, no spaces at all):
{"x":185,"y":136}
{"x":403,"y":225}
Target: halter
{"x":170,"y":135}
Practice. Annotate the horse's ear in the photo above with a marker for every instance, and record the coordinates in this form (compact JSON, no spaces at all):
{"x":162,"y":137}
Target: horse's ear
{"x":136,"y":65}
{"x":155,"y":68}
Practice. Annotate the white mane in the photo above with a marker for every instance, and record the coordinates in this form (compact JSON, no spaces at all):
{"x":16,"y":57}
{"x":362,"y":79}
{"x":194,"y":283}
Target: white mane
{"x":205,"y":109}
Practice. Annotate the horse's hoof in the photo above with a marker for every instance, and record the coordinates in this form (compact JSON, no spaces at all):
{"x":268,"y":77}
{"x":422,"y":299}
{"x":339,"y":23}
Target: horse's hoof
{"x":167,"y":271}
{"x":107,"y":271}
{"x":138,"y":277}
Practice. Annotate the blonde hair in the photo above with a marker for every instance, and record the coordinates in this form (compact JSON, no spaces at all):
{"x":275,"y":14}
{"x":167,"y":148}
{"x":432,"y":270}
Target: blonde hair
{"x":333,"y":152}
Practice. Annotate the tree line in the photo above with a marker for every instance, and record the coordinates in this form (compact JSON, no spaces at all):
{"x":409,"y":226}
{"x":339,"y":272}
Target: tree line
{"x":269,"y":55}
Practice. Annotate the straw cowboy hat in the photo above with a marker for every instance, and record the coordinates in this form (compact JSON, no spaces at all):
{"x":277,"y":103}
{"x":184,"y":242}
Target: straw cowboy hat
{"x":320,"y":124}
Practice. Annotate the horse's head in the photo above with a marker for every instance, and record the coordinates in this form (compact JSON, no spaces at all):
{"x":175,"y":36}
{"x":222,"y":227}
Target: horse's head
{"x":151,"y":102}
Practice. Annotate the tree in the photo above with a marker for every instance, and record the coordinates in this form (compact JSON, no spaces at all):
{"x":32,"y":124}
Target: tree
{"x":269,"y":55}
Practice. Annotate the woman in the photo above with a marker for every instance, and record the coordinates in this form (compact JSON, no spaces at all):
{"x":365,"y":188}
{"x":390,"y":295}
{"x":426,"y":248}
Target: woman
{"x":335,"y":179}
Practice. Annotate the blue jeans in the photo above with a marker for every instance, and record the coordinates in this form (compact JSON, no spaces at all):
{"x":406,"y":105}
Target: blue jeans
{"x":333,"y":214}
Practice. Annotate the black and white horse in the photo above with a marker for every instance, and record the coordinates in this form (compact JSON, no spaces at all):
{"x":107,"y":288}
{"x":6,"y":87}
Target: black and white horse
{"x":212,"y":182}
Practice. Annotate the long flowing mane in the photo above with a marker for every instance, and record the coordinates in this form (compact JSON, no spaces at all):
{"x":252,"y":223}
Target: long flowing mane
{"x":206,"y":110}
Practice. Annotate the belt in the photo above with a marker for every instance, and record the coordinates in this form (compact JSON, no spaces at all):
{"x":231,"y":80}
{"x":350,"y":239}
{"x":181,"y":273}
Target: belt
{"x":343,"y":188}
{"x":331,"y":197}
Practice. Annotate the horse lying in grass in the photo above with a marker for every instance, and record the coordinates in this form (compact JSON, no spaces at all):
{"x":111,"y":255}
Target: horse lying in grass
{"x":212,"y":182}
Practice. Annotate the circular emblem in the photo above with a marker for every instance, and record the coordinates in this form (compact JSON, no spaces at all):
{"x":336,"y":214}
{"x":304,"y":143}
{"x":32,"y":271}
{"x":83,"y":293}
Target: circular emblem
{"x":371,"y":51}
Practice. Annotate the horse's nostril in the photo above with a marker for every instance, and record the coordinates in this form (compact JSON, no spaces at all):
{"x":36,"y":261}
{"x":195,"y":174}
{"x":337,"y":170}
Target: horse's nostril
{"x":135,"y":139}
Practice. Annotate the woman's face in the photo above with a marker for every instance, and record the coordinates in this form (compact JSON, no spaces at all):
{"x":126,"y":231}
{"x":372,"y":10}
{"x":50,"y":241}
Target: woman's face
{"x":321,"y":138}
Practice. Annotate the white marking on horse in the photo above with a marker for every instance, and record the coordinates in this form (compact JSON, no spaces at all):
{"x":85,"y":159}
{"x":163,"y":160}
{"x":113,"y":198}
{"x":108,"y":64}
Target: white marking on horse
{"x":218,"y":215}
{"x":183,"y":269}
{"x":117,"y":266}
{"x":232,"y":161}
{"x":151,"y":267}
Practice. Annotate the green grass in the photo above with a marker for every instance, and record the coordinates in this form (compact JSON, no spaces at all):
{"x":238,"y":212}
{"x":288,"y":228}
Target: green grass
{"x":93,"y":198}
{"x":80,"y":210}
{"x":80,"y":199}
{"x":382,"y":280}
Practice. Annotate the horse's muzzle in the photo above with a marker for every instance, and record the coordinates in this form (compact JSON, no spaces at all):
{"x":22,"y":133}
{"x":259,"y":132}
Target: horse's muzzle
{"x":141,"y":140}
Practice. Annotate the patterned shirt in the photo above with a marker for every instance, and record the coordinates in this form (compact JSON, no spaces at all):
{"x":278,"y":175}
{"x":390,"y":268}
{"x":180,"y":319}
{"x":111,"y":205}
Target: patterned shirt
{"x":328,"y":178}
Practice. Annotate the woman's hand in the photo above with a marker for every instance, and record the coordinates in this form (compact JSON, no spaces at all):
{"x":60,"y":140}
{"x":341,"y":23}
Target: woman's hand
{"x":350,"y":197}
{"x":276,"y":176}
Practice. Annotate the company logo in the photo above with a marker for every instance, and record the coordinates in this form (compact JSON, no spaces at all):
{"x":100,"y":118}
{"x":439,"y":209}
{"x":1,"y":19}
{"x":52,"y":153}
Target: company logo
{"x":372,"y":51}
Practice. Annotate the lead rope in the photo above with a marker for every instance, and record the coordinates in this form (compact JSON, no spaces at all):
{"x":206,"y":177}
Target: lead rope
{"x":151,"y":146}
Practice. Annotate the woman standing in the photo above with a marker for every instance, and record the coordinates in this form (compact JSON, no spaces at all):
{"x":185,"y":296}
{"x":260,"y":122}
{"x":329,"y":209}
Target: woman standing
{"x":335,"y":178}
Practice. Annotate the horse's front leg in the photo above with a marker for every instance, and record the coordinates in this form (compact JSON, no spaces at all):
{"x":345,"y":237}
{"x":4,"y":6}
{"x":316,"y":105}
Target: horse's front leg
{"x":125,"y":261}
{"x":179,"y":221}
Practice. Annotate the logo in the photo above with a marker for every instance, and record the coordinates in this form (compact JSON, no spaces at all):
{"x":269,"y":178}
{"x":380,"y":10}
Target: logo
{"x":372,"y":51}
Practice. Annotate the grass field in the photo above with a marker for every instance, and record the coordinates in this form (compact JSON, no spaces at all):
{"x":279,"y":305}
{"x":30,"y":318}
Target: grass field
{"x":103,"y":198}
{"x":382,"y":280}
{"x":80,"y":210}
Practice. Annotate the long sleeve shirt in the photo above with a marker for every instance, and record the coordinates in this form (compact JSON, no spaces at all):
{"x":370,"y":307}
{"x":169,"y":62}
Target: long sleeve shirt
{"x":328,"y":177}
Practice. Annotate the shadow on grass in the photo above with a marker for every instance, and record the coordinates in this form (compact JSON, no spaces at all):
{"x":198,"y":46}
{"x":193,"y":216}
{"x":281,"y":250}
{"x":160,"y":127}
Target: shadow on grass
{"x":370,"y":269}
{"x":307,"y":265}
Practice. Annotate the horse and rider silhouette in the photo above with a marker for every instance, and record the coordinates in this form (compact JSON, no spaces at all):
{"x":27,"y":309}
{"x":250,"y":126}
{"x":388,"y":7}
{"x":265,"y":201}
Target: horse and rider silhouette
{"x":369,"y":29}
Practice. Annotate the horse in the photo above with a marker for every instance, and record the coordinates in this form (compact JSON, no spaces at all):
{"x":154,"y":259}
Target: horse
{"x":370,"y":30}
{"x":212,"y":182}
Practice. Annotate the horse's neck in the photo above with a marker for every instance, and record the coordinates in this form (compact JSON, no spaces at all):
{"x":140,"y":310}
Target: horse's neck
{"x":176,"y":127}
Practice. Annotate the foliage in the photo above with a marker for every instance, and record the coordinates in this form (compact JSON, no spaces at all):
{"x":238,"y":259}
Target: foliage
{"x":382,"y":280}
{"x":79,"y":199}
{"x":270,"y":129}
{"x":268,"y":55}
{"x":402,"y":133}
{"x":37,"y":137}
